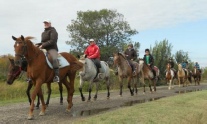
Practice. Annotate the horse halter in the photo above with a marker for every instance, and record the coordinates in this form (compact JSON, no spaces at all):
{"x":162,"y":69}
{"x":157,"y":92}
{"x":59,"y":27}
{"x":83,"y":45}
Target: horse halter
{"x":22,"y":55}
{"x":15,"y":74}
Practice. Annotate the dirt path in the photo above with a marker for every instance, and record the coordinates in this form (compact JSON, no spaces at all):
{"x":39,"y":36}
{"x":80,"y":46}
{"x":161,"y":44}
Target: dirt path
{"x":56,"y":114}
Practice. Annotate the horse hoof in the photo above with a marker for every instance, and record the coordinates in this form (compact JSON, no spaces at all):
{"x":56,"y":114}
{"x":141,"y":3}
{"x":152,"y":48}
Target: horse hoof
{"x":30,"y":117}
{"x":169,"y":88}
{"x":88,"y":100}
{"x":144,"y":93}
{"x":108,"y":97}
{"x":61,"y":103}
{"x":83,"y":99}
{"x":120,"y":95}
{"x":67,"y":110}
{"x":41,"y":113}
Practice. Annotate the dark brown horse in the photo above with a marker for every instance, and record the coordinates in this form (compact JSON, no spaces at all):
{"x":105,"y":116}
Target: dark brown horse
{"x":196,"y":75}
{"x":40,"y":72}
{"x":125,"y":71}
{"x":15,"y":71}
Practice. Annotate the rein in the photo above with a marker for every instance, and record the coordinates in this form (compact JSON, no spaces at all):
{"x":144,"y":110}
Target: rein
{"x":15,"y":75}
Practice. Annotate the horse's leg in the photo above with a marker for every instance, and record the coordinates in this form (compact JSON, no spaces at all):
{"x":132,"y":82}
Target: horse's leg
{"x":42,"y":112}
{"x":179,"y":81}
{"x":33,"y":96}
{"x":90,"y":89}
{"x":121,"y":85}
{"x":150,"y":85}
{"x":170,"y":81}
{"x":70,"y":89}
{"x":29,"y":87}
{"x":129,"y":86}
{"x":80,"y":88}
{"x":61,"y":92}
{"x":49,"y":93}
{"x":108,"y":87}
{"x":97,"y":87}
{"x":154,"y":82}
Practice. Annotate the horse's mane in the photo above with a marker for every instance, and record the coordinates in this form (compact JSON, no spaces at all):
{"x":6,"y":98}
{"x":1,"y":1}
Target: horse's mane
{"x":122,"y":55}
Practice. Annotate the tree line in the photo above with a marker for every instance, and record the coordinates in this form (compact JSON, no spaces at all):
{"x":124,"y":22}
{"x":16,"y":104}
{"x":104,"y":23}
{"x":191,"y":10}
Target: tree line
{"x":112,"y":34}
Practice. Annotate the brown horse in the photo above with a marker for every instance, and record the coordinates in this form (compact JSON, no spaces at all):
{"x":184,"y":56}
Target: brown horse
{"x":13,"y":74}
{"x":125,"y":71}
{"x":196,"y":75}
{"x":146,"y":73}
{"x":40,"y":72}
{"x":170,"y":75}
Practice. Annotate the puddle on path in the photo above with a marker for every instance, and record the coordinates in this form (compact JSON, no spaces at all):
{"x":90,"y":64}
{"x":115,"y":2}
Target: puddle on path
{"x":187,"y":91}
{"x":96,"y":111}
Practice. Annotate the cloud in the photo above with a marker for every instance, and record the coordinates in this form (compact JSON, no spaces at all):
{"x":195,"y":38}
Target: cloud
{"x":25,"y":17}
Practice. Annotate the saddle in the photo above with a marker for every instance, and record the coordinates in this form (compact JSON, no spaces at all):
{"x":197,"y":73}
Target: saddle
{"x":99,"y":70}
{"x":61,"y":60}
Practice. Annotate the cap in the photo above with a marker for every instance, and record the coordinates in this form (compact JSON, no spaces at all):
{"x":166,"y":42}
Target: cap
{"x":91,"y":40}
{"x":146,"y":50}
{"x":46,"y":21}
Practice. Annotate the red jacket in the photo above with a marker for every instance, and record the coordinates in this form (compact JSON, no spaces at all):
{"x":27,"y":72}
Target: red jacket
{"x":92,"y":51}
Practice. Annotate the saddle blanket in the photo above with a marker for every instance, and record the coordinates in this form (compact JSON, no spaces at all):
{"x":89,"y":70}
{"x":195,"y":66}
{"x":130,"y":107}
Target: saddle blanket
{"x":61,"y":60}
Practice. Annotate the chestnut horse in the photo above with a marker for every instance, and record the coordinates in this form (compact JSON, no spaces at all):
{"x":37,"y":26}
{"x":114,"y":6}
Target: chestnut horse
{"x":170,"y":75}
{"x":40,"y":72}
{"x":196,"y":75}
{"x":146,"y":73}
{"x":13,"y":74}
{"x":182,"y":76}
{"x":125,"y":71}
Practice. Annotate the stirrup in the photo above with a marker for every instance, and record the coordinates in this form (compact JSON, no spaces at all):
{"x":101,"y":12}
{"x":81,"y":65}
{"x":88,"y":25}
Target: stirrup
{"x":56,"y":79}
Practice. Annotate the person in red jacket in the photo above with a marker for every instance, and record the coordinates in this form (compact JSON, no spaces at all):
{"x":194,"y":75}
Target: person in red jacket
{"x":93,"y":52}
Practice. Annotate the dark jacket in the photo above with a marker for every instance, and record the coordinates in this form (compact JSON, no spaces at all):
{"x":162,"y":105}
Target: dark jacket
{"x":49,"y":38}
{"x":151,"y":59}
{"x":130,"y":54}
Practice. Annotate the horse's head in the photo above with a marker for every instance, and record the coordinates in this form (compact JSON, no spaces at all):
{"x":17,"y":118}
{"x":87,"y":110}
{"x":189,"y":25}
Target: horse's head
{"x":20,"y":48}
{"x":179,"y":67}
{"x":14,"y":72}
{"x":168,"y":66}
{"x":117,"y":58}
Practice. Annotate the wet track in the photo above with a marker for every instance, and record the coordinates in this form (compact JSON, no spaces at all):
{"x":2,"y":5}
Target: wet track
{"x":56,"y":113}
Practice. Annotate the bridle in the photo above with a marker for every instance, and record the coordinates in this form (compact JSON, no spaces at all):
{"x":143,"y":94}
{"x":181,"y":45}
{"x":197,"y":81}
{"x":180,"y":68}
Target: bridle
{"x":15,"y":74}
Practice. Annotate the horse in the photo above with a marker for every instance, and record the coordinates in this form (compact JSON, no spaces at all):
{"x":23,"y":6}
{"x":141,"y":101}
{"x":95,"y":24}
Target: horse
{"x":182,"y":76}
{"x":125,"y":71}
{"x":90,"y":73}
{"x":196,"y":75}
{"x":40,"y":72}
{"x":170,"y":75}
{"x":13,"y":74}
{"x":147,"y":73}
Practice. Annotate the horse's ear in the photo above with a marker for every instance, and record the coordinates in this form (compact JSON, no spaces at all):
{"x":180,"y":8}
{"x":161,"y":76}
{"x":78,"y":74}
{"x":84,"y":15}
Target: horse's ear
{"x":14,"y":38}
{"x":78,"y":56}
{"x":11,"y":61}
{"x":22,"y":37}
{"x":119,"y":53}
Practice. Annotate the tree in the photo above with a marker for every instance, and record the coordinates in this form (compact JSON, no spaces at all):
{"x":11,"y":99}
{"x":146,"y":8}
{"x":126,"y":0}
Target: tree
{"x":161,"y":52}
{"x":107,"y":27}
{"x":181,"y":56}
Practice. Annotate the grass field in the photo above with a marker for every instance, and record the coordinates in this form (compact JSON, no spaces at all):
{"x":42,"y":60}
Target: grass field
{"x":188,"y":108}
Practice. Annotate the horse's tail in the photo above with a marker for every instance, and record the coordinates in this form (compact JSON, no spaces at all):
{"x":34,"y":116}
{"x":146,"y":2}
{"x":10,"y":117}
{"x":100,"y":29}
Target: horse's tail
{"x":76,"y":66}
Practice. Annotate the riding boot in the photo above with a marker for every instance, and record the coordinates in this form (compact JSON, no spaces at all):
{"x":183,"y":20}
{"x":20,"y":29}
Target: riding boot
{"x":56,"y":78}
{"x":134,"y":69}
{"x":56,"y":70}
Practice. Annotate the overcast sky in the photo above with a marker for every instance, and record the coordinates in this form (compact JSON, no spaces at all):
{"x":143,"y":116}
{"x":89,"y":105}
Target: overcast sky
{"x":182,"y":22}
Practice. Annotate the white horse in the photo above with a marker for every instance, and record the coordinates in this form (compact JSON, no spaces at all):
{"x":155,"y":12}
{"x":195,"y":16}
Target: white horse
{"x":170,"y":75}
{"x":89,"y":73}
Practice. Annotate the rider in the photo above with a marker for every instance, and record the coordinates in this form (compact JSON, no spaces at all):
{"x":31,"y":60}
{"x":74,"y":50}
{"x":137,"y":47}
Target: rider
{"x":93,"y":52}
{"x":197,"y":66}
{"x":131,"y":56}
{"x":149,"y":60}
{"x":185,"y":66}
{"x":171,"y":62}
{"x":49,"y":42}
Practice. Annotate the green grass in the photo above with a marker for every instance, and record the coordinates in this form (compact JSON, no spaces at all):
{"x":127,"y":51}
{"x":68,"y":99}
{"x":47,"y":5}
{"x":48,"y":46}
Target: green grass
{"x":188,"y":108}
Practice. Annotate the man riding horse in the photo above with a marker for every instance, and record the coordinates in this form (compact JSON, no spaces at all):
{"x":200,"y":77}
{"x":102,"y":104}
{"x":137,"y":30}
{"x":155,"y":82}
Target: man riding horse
{"x":93,"y":52}
{"x":131,"y":56}
{"x":149,"y":60}
{"x":185,"y":66}
{"x":197,"y":66}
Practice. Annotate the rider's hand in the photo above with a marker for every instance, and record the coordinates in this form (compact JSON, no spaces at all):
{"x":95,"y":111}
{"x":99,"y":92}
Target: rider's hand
{"x":40,"y":46}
